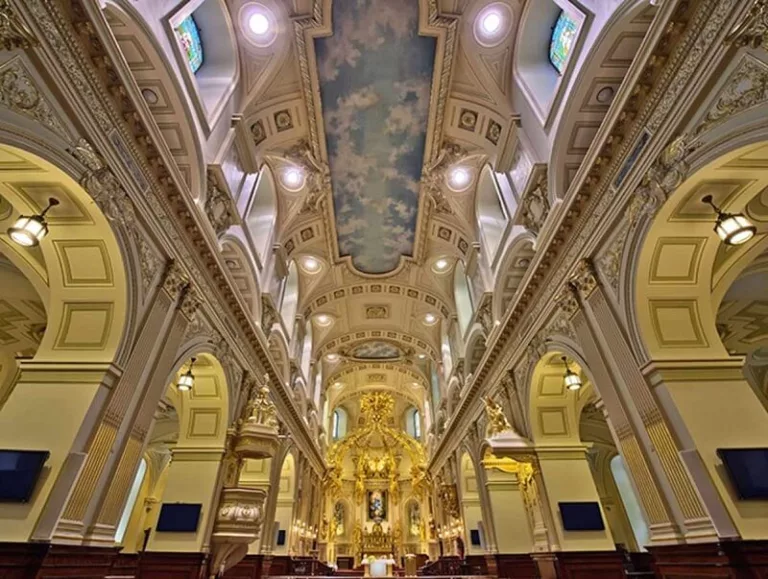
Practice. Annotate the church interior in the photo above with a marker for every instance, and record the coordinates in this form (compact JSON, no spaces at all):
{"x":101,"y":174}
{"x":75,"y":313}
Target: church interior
{"x":383,"y":288}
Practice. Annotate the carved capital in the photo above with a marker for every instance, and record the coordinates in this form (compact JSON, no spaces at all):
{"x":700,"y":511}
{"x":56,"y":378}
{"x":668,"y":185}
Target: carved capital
{"x":567,"y":301}
{"x":584,"y":280}
{"x":535,"y":206}
{"x":175,"y":280}
{"x":190,"y":303}
{"x":269,"y":316}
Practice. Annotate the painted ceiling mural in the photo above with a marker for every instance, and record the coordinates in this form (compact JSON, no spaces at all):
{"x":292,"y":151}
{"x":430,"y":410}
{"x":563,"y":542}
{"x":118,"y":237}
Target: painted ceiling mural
{"x":375,"y":77}
{"x":376,"y":350}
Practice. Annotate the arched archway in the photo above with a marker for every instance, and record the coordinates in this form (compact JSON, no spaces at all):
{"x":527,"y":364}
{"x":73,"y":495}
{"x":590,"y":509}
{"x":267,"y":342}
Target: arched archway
{"x":81,"y":281}
{"x":681,"y":275}
{"x":284,"y":513}
{"x":471,"y":507}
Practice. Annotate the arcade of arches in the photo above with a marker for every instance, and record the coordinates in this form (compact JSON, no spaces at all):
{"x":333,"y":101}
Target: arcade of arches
{"x":384,"y":288}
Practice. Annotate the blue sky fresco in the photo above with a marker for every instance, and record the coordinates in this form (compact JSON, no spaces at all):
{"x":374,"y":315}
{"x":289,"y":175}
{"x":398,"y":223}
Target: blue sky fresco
{"x":375,"y":77}
{"x":376,"y":350}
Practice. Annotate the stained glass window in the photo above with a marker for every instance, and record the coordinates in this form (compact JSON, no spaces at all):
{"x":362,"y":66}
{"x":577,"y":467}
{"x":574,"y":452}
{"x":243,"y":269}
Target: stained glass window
{"x":562,"y":41}
{"x":189,"y":35}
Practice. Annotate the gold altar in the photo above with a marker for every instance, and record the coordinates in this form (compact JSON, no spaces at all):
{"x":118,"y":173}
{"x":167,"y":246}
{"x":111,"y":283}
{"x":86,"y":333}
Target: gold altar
{"x":376,"y":489}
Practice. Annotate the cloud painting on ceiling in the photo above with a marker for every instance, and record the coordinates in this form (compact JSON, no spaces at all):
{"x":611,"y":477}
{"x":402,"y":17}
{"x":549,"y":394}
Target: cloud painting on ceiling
{"x":375,"y":77}
{"x":376,"y":350}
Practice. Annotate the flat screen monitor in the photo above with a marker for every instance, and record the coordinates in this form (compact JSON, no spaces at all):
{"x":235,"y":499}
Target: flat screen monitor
{"x":474,"y":537}
{"x":19,"y":471}
{"x":584,"y":516}
{"x":748,"y":470}
{"x":179,"y":518}
{"x":280,"y":537}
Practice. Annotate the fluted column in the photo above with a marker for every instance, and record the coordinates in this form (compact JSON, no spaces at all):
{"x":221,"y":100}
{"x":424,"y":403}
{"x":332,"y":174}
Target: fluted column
{"x":128,"y":455}
{"x":671,"y":504}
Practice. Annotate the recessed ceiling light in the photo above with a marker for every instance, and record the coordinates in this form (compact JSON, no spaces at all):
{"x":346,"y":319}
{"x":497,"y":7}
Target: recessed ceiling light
{"x":332,"y":357}
{"x":293,"y":178}
{"x":491,"y":22}
{"x":459,"y":178}
{"x":441,"y":264}
{"x":422,"y":356}
{"x":338,"y":384}
{"x":310,"y":264}
{"x":258,"y":23}
{"x":323,"y":319}
{"x":430,"y":318}
{"x":415,"y":384}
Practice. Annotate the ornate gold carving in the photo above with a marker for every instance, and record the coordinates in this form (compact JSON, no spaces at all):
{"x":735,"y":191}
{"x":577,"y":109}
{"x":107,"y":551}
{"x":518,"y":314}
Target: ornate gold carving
{"x":497,"y":422}
{"x":14,"y":33}
{"x":752,"y":31}
{"x":19,"y":94}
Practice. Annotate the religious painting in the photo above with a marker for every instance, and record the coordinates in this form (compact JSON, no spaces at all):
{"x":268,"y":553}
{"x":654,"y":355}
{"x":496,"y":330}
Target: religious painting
{"x":563,"y":40}
{"x":377,"y":505}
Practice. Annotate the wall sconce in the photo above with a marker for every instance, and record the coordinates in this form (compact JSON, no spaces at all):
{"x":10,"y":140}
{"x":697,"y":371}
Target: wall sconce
{"x":731,"y":228}
{"x":187,"y":379}
{"x":571,"y":380}
{"x":29,"y":230}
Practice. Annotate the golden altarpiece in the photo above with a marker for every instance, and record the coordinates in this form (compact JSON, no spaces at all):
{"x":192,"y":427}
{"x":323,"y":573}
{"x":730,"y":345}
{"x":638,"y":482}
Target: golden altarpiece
{"x":377,"y":489}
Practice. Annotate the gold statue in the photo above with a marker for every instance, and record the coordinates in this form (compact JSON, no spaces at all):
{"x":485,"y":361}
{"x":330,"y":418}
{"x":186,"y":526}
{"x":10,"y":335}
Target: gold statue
{"x":497,"y":422}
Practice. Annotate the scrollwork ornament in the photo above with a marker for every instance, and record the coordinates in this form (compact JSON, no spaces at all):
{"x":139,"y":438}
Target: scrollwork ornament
{"x":433,"y":176}
{"x":190,"y":303}
{"x":14,"y":33}
{"x":752,"y":31}
{"x":219,"y":207}
{"x":317,"y":172}
{"x":584,"y":278}
{"x":175,"y":280}
{"x":535,"y":207}
{"x":20,"y":94}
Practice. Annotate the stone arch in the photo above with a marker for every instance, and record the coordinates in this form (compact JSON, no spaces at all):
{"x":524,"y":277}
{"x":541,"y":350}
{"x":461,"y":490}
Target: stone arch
{"x":284,"y":512}
{"x":514,"y":265}
{"x":161,"y":91}
{"x":683,"y":270}
{"x":240,"y":267}
{"x":78,"y":270}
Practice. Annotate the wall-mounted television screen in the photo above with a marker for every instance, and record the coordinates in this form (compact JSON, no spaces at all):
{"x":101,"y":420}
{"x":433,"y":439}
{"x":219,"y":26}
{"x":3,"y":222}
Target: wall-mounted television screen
{"x":581,"y":516}
{"x":748,"y":470}
{"x":19,"y":471}
{"x":178,"y":518}
{"x":474,"y":537}
{"x":280,"y":537}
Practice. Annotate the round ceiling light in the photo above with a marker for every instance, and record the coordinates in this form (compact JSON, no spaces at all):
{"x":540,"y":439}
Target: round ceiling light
{"x":459,"y":178}
{"x":441,"y":265}
{"x":430,"y":318}
{"x":258,"y":23}
{"x":310,"y":264}
{"x":332,"y":357}
{"x":292,"y":178}
{"x":323,"y":319}
{"x":492,"y":24}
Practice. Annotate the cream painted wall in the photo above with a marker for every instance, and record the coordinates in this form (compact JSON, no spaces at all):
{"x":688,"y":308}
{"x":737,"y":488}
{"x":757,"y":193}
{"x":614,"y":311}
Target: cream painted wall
{"x":725,"y":414}
{"x":567,"y":477}
{"x":49,"y":409}
{"x":192,"y":478}
{"x":510,"y":519}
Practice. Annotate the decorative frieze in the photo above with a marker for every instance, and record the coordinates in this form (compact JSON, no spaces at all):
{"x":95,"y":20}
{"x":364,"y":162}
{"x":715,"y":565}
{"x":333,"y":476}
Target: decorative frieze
{"x":220,"y":208}
{"x":20,"y":94}
{"x":535,"y":206}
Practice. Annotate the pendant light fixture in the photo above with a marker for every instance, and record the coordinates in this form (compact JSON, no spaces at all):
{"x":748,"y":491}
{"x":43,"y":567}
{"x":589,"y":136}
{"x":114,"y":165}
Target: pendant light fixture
{"x":571,"y":379}
{"x":187,"y":379}
{"x":731,"y":228}
{"x":29,"y":230}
